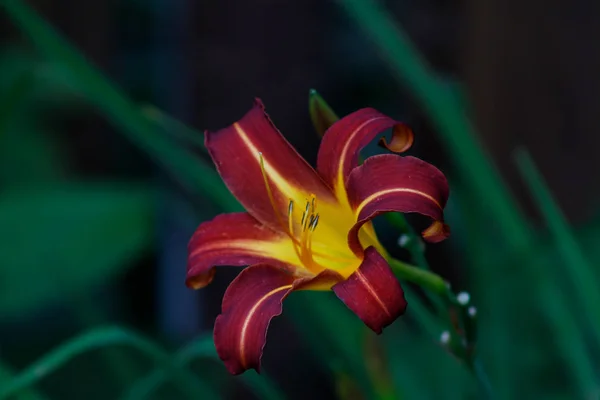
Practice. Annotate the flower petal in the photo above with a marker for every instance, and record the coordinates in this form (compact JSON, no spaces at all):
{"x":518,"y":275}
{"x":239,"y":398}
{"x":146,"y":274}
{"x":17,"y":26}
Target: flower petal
{"x":249,"y":304}
{"x":237,"y":151}
{"x":236,"y":239}
{"x":342,"y":142}
{"x":404,"y":184}
{"x":372,"y":292}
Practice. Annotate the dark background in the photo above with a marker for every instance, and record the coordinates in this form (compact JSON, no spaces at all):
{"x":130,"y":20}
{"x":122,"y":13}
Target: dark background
{"x":529,"y":73}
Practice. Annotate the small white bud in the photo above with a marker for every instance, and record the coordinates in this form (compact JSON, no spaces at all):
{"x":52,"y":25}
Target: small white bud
{"x":463,"y":298}
{"x":445,"y":337}
{"x":403,"y":240}
{"x":472,"y":311}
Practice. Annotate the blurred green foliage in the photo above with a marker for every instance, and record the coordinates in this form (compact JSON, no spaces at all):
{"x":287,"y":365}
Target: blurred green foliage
{"x":60,"y":237}
{"x":64,"y":239}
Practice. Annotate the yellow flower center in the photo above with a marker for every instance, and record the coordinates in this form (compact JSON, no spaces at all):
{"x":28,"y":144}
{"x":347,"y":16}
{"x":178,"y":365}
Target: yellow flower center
{"x":316,"y":249}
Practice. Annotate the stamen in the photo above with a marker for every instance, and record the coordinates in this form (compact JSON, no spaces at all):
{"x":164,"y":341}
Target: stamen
{"x":314,"y":223}
{"x":304,"y":215}
{"x":291,"y":219}
{"x":308,"y":224}
{"x":269,"y":191}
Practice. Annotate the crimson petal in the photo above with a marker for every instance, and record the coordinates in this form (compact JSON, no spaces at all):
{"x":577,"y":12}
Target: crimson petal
{"x":235,"y":239}
{"x":340,"y":147}
{"x":250,"y":302}
{"x":237,"y":151}
{"x":389,"y":182}
{"x":372,"y":292}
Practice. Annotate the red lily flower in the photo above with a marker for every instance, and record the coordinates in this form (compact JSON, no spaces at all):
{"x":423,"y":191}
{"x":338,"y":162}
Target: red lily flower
{"x":307,"y":229}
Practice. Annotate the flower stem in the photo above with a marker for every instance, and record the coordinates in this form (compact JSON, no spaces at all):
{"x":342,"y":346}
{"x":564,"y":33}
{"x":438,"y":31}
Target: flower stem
{"x":421,"y":277}
{"x":482,"y":379}
{"x":463,"y":327}
{"x":414,"y":245}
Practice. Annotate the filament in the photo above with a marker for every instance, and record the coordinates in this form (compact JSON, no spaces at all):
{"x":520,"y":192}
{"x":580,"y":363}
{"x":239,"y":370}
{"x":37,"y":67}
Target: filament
{"x":308,"y":224}
{"x":269,"y":191}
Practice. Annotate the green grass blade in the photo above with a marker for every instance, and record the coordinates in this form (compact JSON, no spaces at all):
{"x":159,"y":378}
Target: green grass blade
{"x":6,"y":375}
{"x":99,"y":338}
{"x":118,"y":108}
{"x":174,"y":127}
{"x":579,"y":270}
{"x":445,"y":112}
{"x":568,"y":338}
{"x":260,"y":385}
{"x":10,"y":101}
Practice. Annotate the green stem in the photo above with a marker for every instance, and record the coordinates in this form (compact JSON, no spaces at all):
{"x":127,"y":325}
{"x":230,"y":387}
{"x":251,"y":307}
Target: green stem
{"x":203,"y":347}
{"x":6,"y":375}
{"x":436,"y":284}
{"x":420,"y":277}
{"x":482,"y":379}
{"x":414,"y":245}
{"x":98,"y":338}
{"x":118,"y":364}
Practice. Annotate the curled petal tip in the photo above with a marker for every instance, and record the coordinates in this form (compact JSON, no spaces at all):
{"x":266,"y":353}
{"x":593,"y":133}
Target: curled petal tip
{"x":343,"y":141}
{"x":436,"y":232}
{"x":402,"y":139}
{"x":201,"y":280}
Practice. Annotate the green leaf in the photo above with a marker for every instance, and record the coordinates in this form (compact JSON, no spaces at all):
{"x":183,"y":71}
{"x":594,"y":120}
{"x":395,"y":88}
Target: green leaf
{"x":124,"y":114}
{"x":423,"y":370}
{"x":579,"y":269}
{"x":28,"y":156}
{"x":523,"y":311}
{"x":61,"y":241}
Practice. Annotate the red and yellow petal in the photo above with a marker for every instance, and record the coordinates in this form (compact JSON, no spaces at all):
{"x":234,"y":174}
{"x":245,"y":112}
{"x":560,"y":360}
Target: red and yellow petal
{"x":342,"y":142}
{"x":236,"y":239}
{"x":389,"y":182}
{"x":237,"y":152}
{"x":249,"y":304}
{"x":372,"y":292}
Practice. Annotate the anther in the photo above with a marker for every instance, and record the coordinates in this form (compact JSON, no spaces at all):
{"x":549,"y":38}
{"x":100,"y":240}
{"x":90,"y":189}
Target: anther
{"x":310,"y":221}
{"x":313,"y":223}
{"x":305,"y":220}
{"x":290,"y":207}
